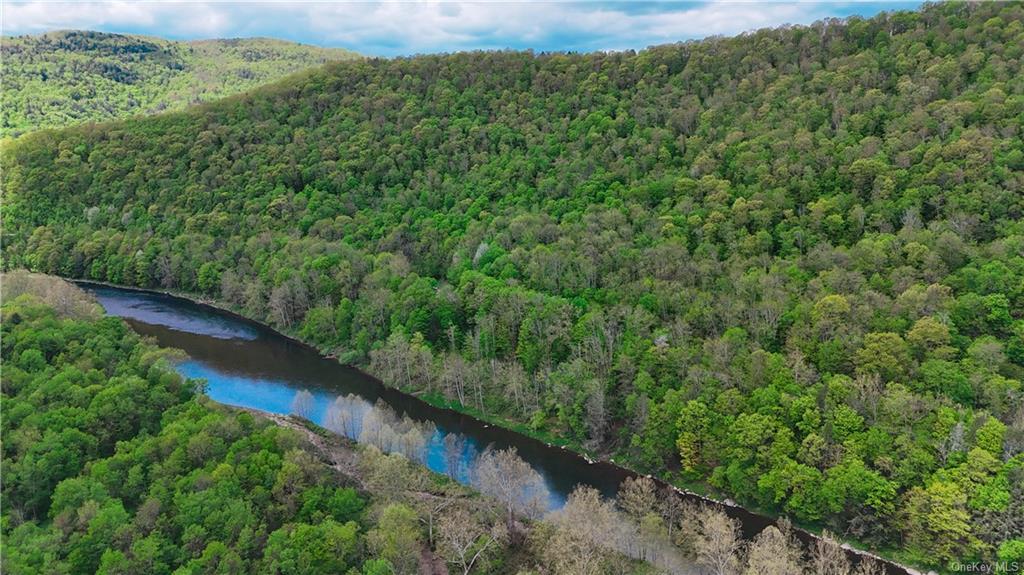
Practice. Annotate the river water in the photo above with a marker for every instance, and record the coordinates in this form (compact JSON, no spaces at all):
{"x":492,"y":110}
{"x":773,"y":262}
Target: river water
{"x":249,"y":365}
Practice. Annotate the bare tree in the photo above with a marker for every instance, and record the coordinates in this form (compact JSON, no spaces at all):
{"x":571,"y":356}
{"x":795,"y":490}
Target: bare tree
{"x":303,"y":404}
{"x":464,"y":540}
{"x":453,"y":377}
{"x":515,"y":383}
{"x":432,"y":508}
{"x":803,"y":372}
{"x":411,"y":438}
{"x":355,"y":406}
{"x":412,"y":443}
{"x":164,"y":270}
{"x":672,"y":509}
{"x":374,"y":428}
{"x":231,"y":289}
{"x":637,"y":497}
{"x":289,"y":302}
{"x":868,"y":390}
{"x":598,"y":346}
{"x":254,"y":298}
{"x":688,"y":533}
{"x":512,"y":481}
{"x":454,"y":451}
{"x":954,"y":442}
{"x":583,"y":532}
{"x":66,"y":298}
{"x":773,"y":553}
{"x":718,"y":543}
{"x":828,"y":557}
{"x":341,"y":418}
{"x":596,"y":417}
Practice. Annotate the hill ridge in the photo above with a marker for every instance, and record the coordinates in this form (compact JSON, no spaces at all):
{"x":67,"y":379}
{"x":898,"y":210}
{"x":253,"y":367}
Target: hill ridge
{"x":68,"y":77}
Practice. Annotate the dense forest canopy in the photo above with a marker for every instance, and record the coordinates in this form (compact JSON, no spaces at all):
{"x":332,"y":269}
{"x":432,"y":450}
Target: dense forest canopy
{"x":786,"y":266}
{"x":62,"y":78}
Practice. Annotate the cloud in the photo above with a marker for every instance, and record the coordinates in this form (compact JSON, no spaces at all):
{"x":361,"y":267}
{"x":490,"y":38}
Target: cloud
{"x":394,"y":28}
{"x":174,"y":18}
{"x":428,"y":26}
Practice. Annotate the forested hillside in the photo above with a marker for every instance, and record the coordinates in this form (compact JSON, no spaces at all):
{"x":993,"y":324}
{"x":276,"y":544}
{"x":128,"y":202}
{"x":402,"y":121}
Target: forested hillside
{"x":63,"y":78}
{"x":786,"y":267}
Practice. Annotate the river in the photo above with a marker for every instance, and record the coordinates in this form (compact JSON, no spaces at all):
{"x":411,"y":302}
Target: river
{"x":249,"y":365}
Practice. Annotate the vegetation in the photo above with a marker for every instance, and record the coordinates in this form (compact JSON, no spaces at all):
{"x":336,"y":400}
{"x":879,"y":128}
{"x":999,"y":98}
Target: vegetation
{"x":113,"y":464}
{"x":63,"y":78}
{"x":787,"y":266}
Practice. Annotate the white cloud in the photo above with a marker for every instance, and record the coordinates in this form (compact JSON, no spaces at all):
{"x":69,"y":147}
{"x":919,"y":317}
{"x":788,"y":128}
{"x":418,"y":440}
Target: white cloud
{"x":425,"y":26}
{"x":421,"y":26}
{"x":198,"y":18}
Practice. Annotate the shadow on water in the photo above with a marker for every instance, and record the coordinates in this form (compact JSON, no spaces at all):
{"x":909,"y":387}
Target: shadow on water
{"x":250,"y":365}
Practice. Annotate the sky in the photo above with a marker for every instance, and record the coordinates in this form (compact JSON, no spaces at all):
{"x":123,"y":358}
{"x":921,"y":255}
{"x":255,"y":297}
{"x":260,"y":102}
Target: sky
{"x":406,"y":28}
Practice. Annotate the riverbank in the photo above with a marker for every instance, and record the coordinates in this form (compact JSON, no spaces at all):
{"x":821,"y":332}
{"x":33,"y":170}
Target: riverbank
{"x":754,"y":521}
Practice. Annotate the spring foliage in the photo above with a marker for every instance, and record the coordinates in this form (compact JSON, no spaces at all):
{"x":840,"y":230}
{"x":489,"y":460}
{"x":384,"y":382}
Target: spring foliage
{"x":787,"y":265}
{"x":113,"y":464}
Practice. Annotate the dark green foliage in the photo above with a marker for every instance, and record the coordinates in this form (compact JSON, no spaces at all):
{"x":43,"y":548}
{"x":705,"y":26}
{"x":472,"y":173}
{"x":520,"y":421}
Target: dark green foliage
{"x":63,"y":78}
{"x":786,"y":265}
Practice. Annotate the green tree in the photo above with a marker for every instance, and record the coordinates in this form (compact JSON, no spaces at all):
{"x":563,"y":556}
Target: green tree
{"x":396,"y":538}
{"x":884,"y":354}
{"x":328,"y":547}
{"x":937,"y":523}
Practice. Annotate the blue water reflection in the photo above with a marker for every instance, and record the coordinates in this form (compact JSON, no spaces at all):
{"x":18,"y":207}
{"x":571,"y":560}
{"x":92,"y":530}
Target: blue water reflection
{"x":454,"y":457}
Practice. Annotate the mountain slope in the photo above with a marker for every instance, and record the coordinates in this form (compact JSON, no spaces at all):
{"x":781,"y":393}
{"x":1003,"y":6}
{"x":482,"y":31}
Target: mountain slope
{"x":786,"y":266}
{"x":64,"y":78}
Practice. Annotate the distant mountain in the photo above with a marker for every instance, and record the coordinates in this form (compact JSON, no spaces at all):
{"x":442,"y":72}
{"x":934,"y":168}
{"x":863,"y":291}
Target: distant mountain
{"x":70,"y":77}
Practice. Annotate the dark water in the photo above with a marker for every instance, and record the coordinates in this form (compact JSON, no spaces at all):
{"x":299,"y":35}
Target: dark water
{"x":249,"y":365}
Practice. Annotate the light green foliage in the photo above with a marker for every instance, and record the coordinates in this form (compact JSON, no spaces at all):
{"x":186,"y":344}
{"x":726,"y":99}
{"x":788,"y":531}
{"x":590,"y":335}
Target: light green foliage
{"x":938,"y":523}
{"x":930,"y":337}
{"x":397,"y":538}
{"x":326,"y":548}
{"x":1012,"y":551}
{"x":813,"y":233}
{"x":990,"y":436}
{"x":884,"y":355}
{"x":377,"y":567}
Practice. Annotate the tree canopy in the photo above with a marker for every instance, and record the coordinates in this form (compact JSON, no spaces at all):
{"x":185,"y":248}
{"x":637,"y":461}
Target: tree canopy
{"x":785,"y":266}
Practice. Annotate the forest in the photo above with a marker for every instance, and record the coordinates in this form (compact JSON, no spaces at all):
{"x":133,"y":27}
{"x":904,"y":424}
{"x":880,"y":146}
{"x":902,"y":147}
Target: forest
{"x":114,"y":464}
{"x":63,"y":78}
{"x":785,"y":268}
